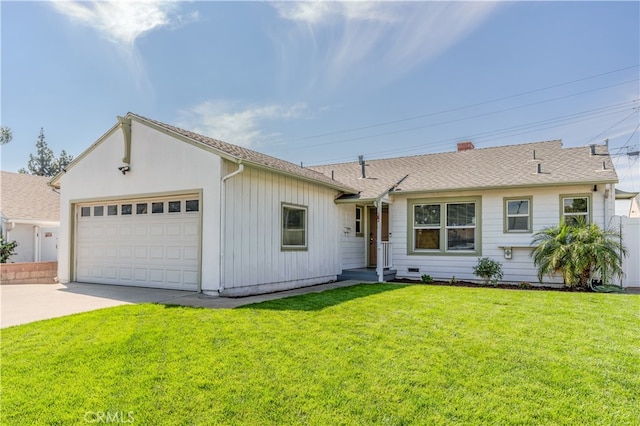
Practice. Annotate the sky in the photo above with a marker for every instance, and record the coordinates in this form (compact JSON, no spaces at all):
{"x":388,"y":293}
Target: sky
{"x":324,"y":82}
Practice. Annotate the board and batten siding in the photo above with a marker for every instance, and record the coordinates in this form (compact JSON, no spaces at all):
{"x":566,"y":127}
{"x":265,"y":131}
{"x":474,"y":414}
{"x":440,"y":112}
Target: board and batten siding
{"x":252,"y":258}
{"x":352,"y":246}
{"x":546,"y":212}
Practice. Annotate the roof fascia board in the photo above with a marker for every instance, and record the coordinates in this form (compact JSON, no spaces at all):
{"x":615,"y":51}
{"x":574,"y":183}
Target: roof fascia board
{"x":486,"y":188}
{"x":341,"y":188}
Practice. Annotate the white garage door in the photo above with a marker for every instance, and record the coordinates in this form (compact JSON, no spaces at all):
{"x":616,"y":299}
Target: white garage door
{"x":152,"y":242}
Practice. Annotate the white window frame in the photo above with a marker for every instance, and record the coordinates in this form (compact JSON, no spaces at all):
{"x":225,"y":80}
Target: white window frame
{"x":305,"y":226}
{"x":565,"y":215}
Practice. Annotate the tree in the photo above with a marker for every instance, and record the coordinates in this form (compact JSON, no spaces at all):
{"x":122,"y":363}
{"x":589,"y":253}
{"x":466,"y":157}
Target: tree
{"x":5,"y":135}
{"x":579,"y":251}
{"x":44,"y":163}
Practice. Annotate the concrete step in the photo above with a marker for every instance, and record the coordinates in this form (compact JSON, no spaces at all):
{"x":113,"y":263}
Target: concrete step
{"x":366,"y":274}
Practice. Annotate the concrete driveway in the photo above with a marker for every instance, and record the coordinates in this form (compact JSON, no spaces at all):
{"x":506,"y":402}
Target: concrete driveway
{"x":24,"y":303}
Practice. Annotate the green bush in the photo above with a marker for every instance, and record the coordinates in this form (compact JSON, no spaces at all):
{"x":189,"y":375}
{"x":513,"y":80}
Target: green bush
{"x":579,"y":251}
{"x":7,"y":249}
{"x":489,"y":270}
{"x":427,"y":279}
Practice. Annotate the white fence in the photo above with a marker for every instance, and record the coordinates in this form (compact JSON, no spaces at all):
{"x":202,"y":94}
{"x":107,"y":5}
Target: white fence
{"x":630,"y":230}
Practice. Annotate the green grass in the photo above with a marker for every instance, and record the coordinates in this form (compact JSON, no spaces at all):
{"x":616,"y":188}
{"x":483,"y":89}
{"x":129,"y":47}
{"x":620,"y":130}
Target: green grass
{"x":370,"y":354}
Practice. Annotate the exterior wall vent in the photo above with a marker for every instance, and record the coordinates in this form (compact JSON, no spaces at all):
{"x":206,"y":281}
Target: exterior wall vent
{"x":413,"y":270}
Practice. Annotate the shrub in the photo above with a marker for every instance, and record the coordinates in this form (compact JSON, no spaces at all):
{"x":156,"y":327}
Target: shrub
{"x":427,"y":279}
{"x":579,"y":251}
{"x":525,"y":284}
{"x":7,"y":249}
{"x":489,"y":270}
{"x":453,"y":280}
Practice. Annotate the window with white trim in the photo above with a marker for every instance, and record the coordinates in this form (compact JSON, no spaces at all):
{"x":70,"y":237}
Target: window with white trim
{"x":517,"y":214}
{"x":294,"y":227}
{"x":359,"y":222}
{"x":575,"y":209}
{"x":444,"y":226}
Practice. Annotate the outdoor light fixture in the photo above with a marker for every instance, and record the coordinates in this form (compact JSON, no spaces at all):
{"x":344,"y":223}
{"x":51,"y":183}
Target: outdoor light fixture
{"x":124,"y":169}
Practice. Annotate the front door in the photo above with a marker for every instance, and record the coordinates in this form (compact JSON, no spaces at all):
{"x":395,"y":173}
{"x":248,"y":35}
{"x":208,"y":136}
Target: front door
{"x":373,"y":233}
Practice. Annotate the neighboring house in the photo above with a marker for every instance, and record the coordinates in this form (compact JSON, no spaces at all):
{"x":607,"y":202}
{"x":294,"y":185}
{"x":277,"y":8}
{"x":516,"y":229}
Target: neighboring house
{"x":153,"y":205}
{"x":632,"y":197}
{"x":30,"y":215}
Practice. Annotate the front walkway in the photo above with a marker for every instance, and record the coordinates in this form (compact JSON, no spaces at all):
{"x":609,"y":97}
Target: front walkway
{"x":24,"y":303}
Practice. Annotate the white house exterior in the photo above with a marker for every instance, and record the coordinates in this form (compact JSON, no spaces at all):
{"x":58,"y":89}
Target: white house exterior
{"x":446,"y":210}
{"x":29,"y":215}
{"x":153,"y":205}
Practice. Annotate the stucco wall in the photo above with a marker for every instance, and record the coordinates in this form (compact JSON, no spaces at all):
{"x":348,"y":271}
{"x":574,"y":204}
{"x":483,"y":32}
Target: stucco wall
{"x":24,"y":235}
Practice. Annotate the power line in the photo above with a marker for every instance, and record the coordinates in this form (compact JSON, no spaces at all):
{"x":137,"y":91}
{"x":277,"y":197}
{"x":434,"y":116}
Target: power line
{"x":460,"y":108}
{"x":508,"y":131}
{"x":614,"y":125}
{"x":393,"y":132}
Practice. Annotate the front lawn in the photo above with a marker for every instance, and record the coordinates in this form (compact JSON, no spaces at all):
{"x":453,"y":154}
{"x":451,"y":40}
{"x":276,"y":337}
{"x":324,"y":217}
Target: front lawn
{"x":369,"y":354}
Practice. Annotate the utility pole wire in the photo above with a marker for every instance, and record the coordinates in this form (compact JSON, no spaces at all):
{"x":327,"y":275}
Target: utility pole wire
{"x":462,"y":107}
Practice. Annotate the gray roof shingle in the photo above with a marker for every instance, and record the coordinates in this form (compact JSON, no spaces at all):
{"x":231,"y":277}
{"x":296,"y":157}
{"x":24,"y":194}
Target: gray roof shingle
{"x":498,"y":167}
{"x":28,"y":197}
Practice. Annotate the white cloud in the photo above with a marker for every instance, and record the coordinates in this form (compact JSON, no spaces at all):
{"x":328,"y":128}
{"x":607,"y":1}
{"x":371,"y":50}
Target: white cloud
{"x":122,"y":21}
{"x":357,"y":37}
{"x":239,"y":126}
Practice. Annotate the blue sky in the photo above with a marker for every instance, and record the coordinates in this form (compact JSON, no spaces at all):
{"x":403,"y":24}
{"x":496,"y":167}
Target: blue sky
{"x":316,"y":82}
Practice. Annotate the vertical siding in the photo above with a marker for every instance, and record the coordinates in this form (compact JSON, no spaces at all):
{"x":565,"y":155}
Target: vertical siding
{"x":546,"y":212}
{"x":254,"y":261}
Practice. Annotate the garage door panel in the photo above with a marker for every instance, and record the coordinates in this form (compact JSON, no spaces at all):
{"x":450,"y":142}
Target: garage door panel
{"x":149,"y":247}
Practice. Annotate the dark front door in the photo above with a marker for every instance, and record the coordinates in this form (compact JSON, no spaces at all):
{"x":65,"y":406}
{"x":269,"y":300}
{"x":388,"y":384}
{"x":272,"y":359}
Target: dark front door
{"x":373,"y":232}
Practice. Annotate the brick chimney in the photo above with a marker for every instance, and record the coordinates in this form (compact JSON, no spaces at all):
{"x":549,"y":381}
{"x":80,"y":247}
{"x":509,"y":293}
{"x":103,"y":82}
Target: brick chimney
{"x":465,"y":146}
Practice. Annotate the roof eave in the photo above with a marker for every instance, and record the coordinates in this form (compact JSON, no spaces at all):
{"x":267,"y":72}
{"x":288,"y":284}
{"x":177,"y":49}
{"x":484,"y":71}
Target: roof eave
{"x":237,"y":159}
{"x":491,"y":187}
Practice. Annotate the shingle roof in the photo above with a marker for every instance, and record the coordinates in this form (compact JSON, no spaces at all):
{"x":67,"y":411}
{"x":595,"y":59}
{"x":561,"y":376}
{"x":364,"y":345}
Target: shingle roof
{"x":30,"y":197}
{"x":498,"y":167}
{"x":252,"y":157}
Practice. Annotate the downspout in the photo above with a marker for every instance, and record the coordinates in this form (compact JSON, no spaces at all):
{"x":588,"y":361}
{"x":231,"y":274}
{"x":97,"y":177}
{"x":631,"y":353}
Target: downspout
{"x":223,"y":220}
{"x":36,"y":244}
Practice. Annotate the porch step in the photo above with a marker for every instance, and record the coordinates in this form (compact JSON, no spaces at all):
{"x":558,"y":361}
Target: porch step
{"x":366,"y":274}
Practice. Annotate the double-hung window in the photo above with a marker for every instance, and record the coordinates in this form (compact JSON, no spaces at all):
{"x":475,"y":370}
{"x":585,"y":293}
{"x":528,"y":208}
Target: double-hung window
{"x":517,"y":214}
{"x":575,"y":209}
{"x":444,"y":226}
{"x":294,"y":227}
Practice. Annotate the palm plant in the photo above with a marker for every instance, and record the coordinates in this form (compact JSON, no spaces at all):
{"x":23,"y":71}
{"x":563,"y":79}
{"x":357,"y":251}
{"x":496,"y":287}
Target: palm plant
{"x":579,"y":251}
